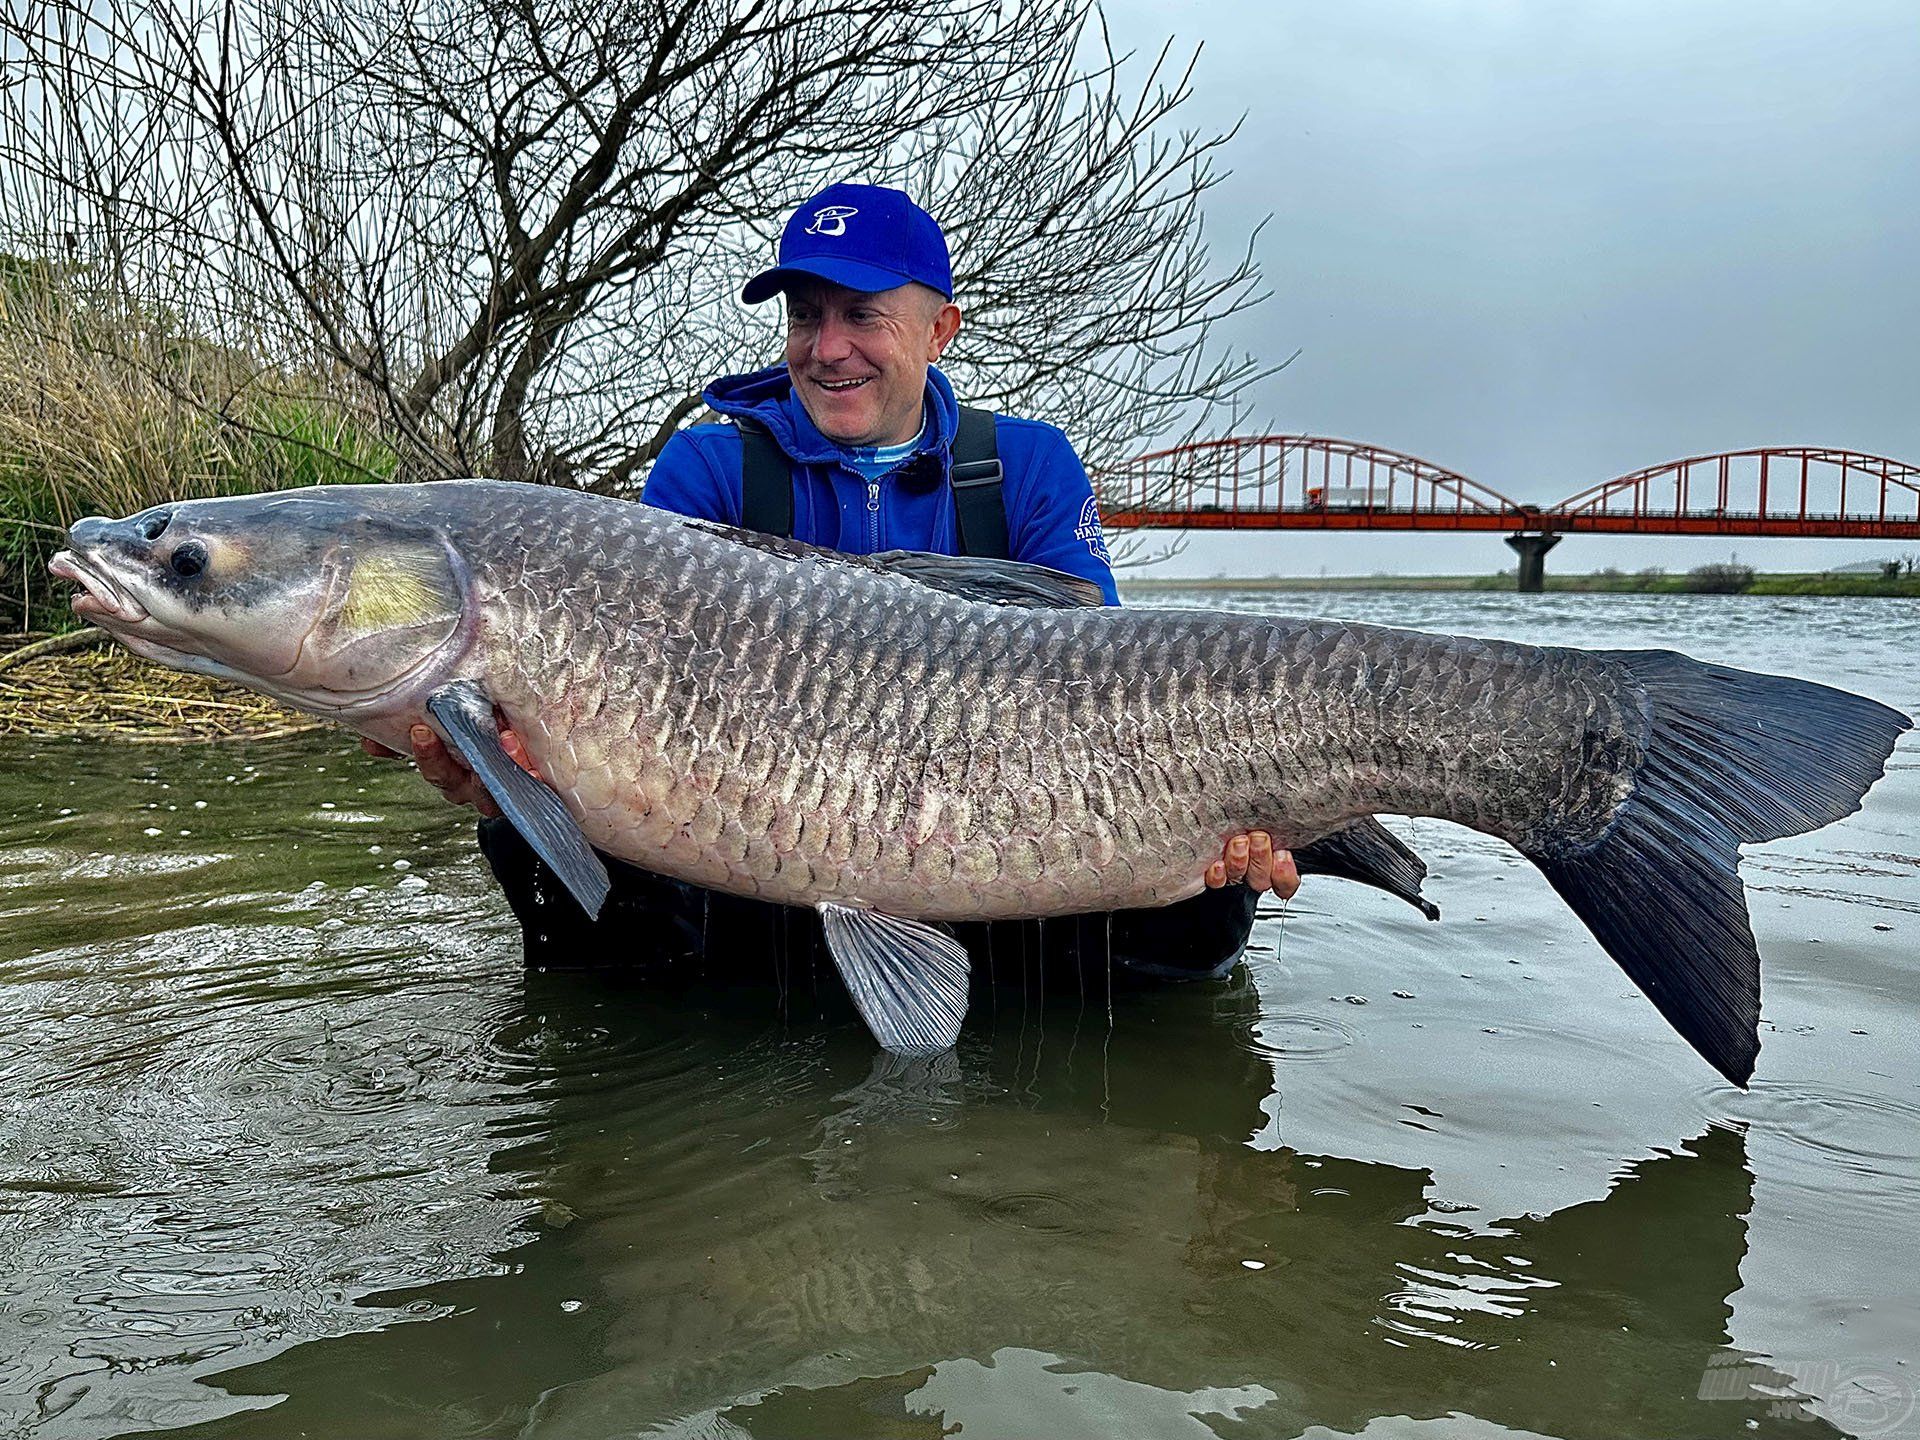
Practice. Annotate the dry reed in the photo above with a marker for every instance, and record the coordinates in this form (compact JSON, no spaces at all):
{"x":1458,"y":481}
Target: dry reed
{"x":110,"y":694}
{"x":108,"y":409}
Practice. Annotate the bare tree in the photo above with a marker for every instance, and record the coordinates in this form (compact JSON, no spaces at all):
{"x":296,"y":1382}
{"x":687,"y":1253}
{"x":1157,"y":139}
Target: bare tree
{"x":518,"y":229}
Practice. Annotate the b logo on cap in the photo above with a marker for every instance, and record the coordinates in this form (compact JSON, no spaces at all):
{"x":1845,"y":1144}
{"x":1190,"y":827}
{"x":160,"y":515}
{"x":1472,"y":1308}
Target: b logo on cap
{"x":831,"y":220}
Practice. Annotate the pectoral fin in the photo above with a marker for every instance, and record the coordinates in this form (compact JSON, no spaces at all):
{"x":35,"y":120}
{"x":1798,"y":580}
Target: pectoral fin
{"x":464,"y":713}
{"x":907,"y":979}
{"x":1372,"y":854}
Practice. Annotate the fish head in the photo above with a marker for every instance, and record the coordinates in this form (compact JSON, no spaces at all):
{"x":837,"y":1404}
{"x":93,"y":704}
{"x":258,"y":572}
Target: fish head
{"x":323,"y":599}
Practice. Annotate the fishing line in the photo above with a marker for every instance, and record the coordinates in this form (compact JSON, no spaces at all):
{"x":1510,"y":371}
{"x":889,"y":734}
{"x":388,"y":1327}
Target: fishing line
{"x":1109,"y":974}
{"x":1040,"y":946}
{"x":1040,"y":1029}
{"x":777,"y":923}
{"x":1073,"y":1040}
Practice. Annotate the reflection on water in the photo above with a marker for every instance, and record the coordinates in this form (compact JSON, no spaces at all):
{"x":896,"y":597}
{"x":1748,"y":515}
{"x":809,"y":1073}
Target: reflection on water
{"x":799,"y":1238}
{"x":293,"y":1146}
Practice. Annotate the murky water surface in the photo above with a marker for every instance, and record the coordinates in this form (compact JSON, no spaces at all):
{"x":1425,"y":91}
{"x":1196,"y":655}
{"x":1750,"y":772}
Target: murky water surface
{"x":291,"y":1145}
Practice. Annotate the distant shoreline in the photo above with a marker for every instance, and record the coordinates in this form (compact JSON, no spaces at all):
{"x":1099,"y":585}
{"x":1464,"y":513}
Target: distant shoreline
{"x":1786,"y":583}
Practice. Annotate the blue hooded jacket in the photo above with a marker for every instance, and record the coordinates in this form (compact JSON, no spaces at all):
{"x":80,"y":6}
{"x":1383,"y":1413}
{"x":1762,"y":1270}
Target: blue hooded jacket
{"x":1052,"y":518}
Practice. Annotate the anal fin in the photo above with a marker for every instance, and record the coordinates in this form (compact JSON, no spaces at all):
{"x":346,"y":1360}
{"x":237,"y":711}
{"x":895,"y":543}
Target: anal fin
{"x":907,"y":979}
{"x":464,"y":713}
{"x":1370,"y":853}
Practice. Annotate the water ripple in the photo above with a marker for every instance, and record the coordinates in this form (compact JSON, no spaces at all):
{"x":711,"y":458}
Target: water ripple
{"x":1298,"y":1035}
{"x":1875,"y":1139}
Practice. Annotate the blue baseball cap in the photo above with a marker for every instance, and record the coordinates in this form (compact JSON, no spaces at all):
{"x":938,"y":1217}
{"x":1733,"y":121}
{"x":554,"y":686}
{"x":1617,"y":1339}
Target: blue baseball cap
{"x":865,"y":237}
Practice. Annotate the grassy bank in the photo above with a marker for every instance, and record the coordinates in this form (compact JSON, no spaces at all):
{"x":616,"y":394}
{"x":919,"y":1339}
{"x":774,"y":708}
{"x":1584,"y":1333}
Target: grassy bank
{"x":108,"y":409}
{"x":1787,"y":583}
{"x":103,"y":693}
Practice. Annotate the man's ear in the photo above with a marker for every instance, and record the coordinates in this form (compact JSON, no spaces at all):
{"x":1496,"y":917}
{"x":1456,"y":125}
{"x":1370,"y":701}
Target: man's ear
{"x":946,"y":325}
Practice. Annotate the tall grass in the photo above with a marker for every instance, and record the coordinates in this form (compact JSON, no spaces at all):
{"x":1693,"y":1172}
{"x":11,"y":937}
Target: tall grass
{"x":108,"y":409}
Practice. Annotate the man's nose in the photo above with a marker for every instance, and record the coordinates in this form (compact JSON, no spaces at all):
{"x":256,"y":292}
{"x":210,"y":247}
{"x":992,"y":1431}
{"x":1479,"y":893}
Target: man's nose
{"x":832,"y":341}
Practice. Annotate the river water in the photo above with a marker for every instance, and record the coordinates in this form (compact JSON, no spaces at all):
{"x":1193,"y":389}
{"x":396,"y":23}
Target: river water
{"x":291,"y":1144}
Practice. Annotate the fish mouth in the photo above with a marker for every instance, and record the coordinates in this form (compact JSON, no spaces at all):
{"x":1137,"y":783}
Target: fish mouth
{"x":100,"y":598}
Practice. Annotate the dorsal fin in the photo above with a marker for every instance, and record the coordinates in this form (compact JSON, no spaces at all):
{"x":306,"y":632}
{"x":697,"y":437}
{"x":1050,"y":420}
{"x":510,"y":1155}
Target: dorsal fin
{"x":999,"y":582}
{"x":1002,"y":582}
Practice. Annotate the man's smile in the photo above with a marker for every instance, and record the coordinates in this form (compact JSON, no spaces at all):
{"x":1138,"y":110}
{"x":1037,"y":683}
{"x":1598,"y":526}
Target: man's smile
{"x":859,"y":359}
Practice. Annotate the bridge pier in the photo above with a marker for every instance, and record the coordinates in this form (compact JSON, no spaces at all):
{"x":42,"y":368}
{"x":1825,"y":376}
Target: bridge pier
{"x":1532,"y":550}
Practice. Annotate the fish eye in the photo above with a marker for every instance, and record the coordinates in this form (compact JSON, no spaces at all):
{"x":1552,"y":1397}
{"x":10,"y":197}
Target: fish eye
{"x":155,"y":525}
{"x":188,"y":559}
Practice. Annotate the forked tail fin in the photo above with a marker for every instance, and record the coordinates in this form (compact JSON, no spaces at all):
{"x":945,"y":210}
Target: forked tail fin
{"x":1732,"y":758}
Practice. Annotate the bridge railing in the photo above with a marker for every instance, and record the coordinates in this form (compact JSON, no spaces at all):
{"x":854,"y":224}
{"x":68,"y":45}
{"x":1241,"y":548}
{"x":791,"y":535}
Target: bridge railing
{"x":1783,"y":483}
{"x":1297,"y":473}
{"x":1309,"y":481}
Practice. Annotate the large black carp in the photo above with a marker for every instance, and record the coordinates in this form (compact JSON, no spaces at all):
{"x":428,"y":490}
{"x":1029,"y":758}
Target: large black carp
{"x":906,"y":738}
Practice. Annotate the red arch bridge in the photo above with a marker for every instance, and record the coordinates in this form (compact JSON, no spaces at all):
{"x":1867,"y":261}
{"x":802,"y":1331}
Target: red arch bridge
{"x":1316,"y":482}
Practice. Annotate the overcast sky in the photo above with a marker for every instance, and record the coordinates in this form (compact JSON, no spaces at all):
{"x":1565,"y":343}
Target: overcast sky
{"x":1544,"y":243}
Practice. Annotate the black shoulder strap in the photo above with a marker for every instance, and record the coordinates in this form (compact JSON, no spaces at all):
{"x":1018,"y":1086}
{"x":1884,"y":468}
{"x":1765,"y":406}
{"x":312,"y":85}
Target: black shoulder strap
{"x":978,"y":510}
{"x":766,"y":482}
{"x":766,"y":485}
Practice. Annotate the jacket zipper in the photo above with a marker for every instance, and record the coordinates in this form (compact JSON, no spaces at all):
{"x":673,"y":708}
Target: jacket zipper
{"x":873,"y":515}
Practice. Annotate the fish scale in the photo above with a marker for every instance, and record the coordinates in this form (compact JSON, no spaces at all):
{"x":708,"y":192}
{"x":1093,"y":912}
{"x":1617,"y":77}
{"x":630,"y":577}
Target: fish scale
{"x":960,"y":759}
{"x":906,"y":739}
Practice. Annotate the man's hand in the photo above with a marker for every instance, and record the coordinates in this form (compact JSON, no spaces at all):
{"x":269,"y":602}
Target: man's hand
{"x":448,"y":773}
{"x":1252,"y":858}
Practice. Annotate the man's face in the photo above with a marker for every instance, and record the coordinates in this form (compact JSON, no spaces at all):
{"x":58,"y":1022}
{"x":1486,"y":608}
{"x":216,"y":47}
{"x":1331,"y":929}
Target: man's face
{"x":859,"y":361}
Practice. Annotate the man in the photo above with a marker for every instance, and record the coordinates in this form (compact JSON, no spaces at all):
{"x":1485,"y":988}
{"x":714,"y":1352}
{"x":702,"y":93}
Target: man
{"x":856,"y":443}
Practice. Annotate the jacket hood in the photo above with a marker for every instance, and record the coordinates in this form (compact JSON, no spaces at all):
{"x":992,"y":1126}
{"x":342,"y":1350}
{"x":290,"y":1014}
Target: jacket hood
{"x":767,"y":396}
